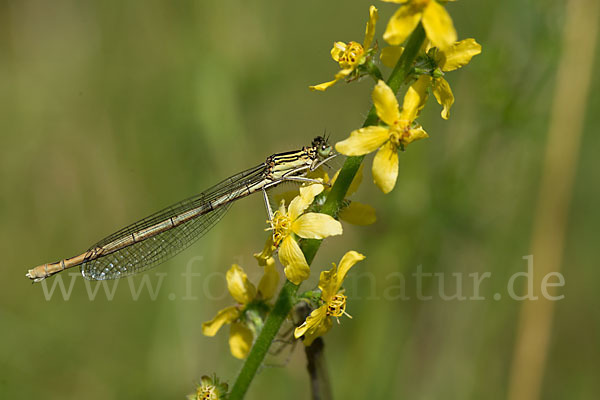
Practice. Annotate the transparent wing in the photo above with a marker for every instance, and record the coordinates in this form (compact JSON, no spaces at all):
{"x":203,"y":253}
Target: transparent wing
{"x":147,"y":253}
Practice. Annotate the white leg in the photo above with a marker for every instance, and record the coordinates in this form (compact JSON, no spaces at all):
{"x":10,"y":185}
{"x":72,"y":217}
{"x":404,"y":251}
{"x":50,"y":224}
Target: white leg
{"x":303,"y":179}
{"x":268,"y":205}
{"x":331,"y":157}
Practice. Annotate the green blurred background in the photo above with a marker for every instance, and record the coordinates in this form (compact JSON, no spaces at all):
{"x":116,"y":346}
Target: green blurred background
{"x":112,"y":110}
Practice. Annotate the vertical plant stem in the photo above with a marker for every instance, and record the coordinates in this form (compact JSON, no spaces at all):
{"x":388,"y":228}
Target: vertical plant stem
{"x":285,"y":300}
{"x":282,"y":307}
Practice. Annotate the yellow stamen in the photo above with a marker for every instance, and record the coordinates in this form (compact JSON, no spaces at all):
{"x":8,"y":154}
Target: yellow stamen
{"x":351,"y":56}
{"x":280,"y":225}
{"x":336,"y":307}
{"x":398,"y":132}
{"x":207,"y":392}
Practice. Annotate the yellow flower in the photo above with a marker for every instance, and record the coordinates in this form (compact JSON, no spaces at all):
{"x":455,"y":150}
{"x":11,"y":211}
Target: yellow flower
{"x":241,"y":317}
{"x":399,"y":132}
{"x":351,"y":55}
{"x":210,"y":388}
{"x":333,"y":300}
{"x":291,"y":223}
{"x":437,"y":62}
{"x":453,"y":57}
{"x":436,"y":22}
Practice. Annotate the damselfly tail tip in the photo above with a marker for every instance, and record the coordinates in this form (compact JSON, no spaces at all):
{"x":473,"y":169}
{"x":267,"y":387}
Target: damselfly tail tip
{"x":34,"y":275}
{"x":30,"y":275}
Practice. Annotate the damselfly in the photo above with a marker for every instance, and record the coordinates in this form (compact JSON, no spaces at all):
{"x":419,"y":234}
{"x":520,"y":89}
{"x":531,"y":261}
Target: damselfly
{"x":154,"y":239}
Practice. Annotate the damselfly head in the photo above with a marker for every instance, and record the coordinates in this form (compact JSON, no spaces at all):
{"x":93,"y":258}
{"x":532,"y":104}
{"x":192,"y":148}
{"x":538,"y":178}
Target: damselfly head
{"x":322,"y":146}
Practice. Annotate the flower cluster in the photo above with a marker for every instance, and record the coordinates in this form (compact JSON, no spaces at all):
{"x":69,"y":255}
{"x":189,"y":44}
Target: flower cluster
{"x":397,"y":125}
{"x":300,"y":218}
{"x":288,"y":226}
{"x":352,"y":57}
{"x":332,"y":301}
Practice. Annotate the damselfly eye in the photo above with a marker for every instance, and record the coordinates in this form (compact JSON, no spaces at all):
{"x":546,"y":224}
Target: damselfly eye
{"x":325,"y":150}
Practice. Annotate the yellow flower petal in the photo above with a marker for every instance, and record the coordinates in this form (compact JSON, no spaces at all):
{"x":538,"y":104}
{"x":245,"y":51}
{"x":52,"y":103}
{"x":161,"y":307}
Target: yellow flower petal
{"x":267,"y":252}
{"x":414,"y":134}
{"x":240,"y":340}
{"x":316,"y":318}
{"x":390,"y":55}
{"x":415,"y":99}
{"x":326,"y":85}
{"x":328,"y":283}
{"x":290,"y":255}
{"x":308,"y":193}
{"x":310,"y":337}
{"x":321,"y":87}
{"x":385,"y":168}
{"x":320,"y":330}
{"x":342,"y":73}
{"x":316,"y":226}
{"x":331,"y":281}
{"x":297,"y":273}
{"x":385,"y":103}
{"x":358,"y":214}
{"x":402,"y":23}
{"x":337,"y":50}
{"x":347,"y":262}
{"x":304,"y":200}
{"x":297,"y":207}
{"x":370,"y":30}
{"x":363,"y":141}
{"x":458,"y":55}
{"x":443,"y":95}
{"x":438,"y":25}
{"x":225,"y":316}
{"x":240,"y":288}
{"x":269,"y":281}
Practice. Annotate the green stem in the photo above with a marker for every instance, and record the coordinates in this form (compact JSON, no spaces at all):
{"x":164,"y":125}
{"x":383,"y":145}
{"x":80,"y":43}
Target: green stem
{"x":285,"y":300}
{"x":282,"y":307}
